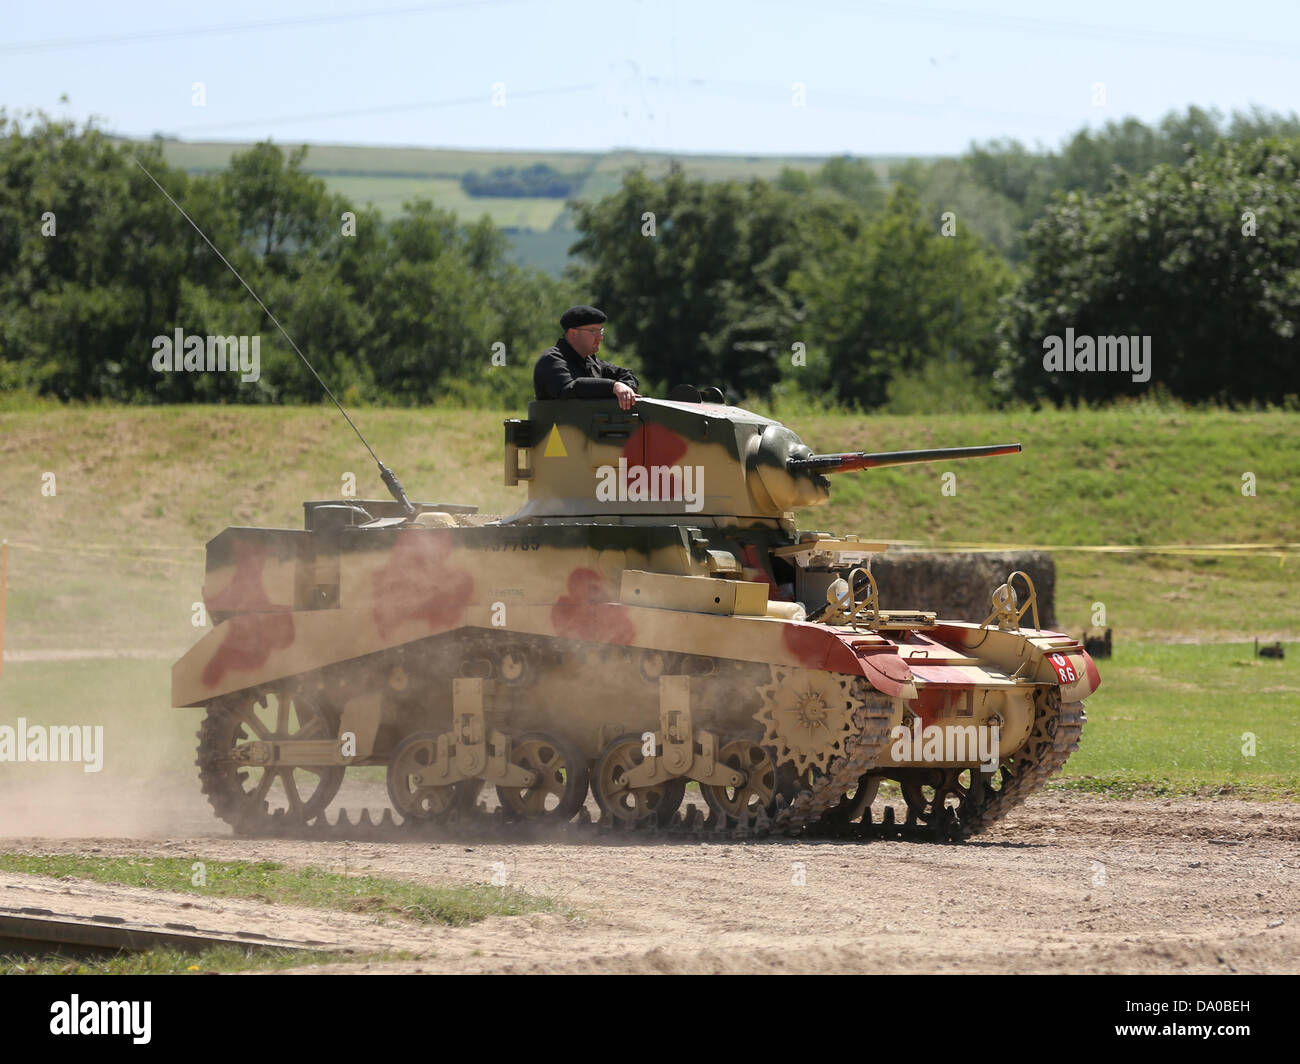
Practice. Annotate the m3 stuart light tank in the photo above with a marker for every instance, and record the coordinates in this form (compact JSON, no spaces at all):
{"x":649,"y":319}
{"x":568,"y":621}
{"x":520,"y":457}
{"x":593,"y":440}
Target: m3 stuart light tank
{"x":650,"y":618}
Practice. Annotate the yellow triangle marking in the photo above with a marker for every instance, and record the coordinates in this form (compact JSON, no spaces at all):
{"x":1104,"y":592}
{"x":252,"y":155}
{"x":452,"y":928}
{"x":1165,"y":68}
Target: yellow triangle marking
{"x":555,"y":445}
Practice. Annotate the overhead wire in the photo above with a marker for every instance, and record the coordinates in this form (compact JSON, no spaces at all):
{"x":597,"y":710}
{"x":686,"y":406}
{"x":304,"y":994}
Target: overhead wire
{"x":179,"y":33}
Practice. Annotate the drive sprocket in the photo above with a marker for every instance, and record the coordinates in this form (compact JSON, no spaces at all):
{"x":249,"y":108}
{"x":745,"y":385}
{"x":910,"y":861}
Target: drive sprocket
{"x":807,"y":716}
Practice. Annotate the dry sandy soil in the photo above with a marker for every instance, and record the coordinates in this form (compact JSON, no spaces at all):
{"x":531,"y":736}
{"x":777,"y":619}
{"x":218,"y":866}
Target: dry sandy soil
{"x":1067,"y":884}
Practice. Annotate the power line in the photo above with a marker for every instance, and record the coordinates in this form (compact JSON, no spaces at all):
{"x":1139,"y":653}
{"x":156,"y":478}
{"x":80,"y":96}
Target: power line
{"x":773,"y":92}
{"x":322,"y":116}
{"x":58,"y":43}
{"x":1058,"y":27}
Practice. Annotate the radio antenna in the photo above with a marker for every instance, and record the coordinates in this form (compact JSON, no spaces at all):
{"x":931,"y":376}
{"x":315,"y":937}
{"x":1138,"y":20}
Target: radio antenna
{"x":385,"y":474}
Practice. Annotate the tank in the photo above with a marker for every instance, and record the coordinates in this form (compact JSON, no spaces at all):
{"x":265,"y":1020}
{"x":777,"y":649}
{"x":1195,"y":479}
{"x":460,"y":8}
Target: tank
{"x":650,"y":626}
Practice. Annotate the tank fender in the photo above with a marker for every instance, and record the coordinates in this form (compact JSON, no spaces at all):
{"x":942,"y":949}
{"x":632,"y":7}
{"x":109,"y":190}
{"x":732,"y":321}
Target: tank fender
{"x":887,"y":672}
{"x":1074,"y":670}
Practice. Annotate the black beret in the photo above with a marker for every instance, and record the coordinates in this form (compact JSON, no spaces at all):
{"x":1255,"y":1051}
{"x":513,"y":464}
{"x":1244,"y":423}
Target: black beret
{"x":578,"y":316}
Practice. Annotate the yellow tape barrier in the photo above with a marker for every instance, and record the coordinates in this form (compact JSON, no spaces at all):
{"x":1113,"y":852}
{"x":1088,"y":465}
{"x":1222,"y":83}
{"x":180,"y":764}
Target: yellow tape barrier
{"x":1266,"y":550}
{"x":1259,"y":550}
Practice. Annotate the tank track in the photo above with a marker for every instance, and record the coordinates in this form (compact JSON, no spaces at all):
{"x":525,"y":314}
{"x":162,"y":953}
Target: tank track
{"x":1056,"y":735}
{"x":871,"y":736}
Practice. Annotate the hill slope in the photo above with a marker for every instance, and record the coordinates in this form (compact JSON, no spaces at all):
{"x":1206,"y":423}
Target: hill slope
{"x":115,"y":559}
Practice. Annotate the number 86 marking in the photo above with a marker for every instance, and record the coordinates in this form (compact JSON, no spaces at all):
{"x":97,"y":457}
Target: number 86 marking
{"x":1064,"y":670}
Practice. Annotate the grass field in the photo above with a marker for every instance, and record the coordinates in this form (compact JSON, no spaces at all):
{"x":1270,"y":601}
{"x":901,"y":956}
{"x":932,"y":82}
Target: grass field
{"x":218,"y":959}
{"x":113,"y":562}
{"x":265,"y":881}
{"x":272,"y":882}
{"x":543,"y":249}
{"x":329,"y":160}
{"x":389,"y":194}
{"x":1179,"y":720}
{"x":201,"y":156}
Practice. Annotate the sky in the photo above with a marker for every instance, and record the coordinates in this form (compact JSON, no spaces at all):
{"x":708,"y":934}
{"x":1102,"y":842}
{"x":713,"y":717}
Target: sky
{"x":769,"y":77}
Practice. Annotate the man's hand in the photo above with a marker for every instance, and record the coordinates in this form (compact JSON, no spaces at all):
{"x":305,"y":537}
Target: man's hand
{"x":625,"y":395}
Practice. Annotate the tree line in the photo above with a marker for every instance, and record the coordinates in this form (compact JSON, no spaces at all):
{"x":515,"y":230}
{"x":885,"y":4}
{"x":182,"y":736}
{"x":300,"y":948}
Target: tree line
{"x":95,"y":263}
{"x":538,"y":180}
{"x":936,"y":286}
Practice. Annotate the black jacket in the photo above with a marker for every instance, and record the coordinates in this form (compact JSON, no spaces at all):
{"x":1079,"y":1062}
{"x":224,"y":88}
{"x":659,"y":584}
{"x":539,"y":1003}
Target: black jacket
{"x":562,"y":373}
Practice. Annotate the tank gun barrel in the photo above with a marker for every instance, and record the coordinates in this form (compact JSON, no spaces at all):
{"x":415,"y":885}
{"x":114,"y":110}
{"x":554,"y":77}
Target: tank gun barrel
{"x":853,"y":461}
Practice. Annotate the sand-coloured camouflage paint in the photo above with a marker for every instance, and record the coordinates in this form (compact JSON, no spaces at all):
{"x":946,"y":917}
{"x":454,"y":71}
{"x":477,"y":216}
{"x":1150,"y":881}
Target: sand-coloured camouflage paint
{"x":588,"y":619}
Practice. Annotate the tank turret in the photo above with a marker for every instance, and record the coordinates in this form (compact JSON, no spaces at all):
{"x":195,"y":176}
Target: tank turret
{"x":670,"y":459}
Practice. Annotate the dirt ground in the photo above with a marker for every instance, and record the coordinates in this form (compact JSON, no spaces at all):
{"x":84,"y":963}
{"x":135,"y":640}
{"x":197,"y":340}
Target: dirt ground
{"x":1066,"y":884}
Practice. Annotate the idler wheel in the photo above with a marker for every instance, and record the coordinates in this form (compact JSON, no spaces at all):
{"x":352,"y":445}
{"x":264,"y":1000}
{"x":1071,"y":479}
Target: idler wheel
{"x":655,"y":803}
{"x":562,"y":777}
{"x":742,"y":804}
{"x":416,"y":799}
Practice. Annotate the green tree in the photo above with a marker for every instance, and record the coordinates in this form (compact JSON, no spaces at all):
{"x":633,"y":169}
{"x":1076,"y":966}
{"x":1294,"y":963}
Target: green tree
{"x":95,"y":263}
{"x":1202,"y":258}
{"x":280,"y":208}
{"x":1001,"y":187}
{"x":895,"y":296}
{"x":92,"y":262}
{"x":440,"y":297}
{"x":700,"y":291}
{"x":982,"y":204}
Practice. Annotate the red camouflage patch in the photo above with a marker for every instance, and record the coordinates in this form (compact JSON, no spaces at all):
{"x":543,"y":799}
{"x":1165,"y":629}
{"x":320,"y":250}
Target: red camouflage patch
{"x":250,"y":639}
{"x":654,"y":445}
{"x":749,"y":559}
{"x":817,"y":648}
{"x":1090,"y":669}
{"x":887,"y":672}
{"x":586,"y":612}
{"x":418,"y":584}
{"x":937,"y":701}
{"x":246,"y":590}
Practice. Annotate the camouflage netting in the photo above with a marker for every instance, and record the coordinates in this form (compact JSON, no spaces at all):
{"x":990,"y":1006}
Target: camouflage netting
{"x":960,"y":585}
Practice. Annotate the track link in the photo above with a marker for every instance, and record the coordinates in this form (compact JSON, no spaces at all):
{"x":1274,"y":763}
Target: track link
{"x":1055,"y":736}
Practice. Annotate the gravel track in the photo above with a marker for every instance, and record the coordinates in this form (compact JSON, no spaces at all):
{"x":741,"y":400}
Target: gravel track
{"x":1065,"y":884}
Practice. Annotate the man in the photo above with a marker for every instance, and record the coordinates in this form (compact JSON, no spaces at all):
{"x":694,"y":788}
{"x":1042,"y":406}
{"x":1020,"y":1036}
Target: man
{"x":571,"y":370}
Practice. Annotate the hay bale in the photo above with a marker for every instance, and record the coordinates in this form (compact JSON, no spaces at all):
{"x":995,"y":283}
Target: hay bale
{"x":959,"y":586}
